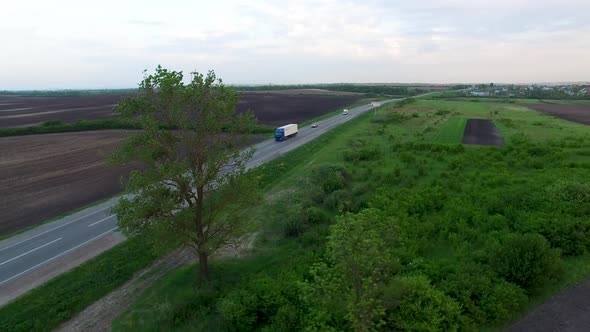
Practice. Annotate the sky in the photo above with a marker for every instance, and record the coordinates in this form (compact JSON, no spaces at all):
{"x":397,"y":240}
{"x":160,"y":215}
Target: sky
{"x":67,"y":44}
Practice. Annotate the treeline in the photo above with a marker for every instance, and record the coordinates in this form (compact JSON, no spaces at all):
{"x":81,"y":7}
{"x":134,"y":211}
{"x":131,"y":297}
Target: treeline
{"x":365,"y":89}
{"x":67,"y":93}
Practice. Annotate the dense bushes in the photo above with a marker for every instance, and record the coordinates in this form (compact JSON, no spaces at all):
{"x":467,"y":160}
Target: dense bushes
{"x":526,"y":260}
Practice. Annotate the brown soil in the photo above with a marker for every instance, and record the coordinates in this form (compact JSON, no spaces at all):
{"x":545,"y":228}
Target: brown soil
{"x":29,"y":111}
{"x":576,"y":113}
{"x":271,"y":108}
{"x":278,"y":109}
{"x":44,"y":176}
{"x":566,"y":311}
{"x":481,"y":132}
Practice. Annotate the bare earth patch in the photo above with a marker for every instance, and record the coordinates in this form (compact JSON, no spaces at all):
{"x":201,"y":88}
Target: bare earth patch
{"x":481,"y":132}
{"x":44,"y":176}
{"x":575,"y":113}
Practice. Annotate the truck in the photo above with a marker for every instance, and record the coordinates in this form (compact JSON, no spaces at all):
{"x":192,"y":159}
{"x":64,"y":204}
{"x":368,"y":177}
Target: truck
{"x":375,"y":104}
{"x":345,"y":112}
{"x":286,"y":131}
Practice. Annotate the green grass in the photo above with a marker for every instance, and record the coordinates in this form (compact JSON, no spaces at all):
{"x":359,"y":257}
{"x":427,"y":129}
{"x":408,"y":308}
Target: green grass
{"x":453,"y":207}
{"x":452,"y":131}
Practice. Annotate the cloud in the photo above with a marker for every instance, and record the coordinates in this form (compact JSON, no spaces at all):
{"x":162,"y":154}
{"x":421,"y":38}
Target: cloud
{"x":262,"y":41}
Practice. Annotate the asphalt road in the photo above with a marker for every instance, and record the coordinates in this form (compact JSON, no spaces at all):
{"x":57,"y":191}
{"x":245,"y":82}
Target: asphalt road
{"x":31,"y":250}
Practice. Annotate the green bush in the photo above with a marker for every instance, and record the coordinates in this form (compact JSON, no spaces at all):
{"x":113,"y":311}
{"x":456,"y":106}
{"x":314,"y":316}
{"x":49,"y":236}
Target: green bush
{"x":503,"y":302}
{"x":412,"y":304}
{"x":526,"y":260}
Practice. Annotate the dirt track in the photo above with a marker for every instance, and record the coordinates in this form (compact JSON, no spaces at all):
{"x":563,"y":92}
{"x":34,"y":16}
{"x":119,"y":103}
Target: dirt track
{"x":576,"y":113}
{"x":44,"y":176}
{"x":481,"y":132}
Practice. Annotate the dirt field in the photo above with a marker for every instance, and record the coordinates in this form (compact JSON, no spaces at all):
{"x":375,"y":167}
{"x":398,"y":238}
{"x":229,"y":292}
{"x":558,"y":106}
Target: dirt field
{"x":271,"y":108}
{"x":576,"y":113}
{"x":30,"y":111}
{"x":44,"y":176}
{"x":481,"y":132}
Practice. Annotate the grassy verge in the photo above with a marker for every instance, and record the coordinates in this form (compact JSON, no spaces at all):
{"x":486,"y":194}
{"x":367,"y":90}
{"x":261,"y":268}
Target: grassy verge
{"x":462,"y":219}
{"x":451,"y":132}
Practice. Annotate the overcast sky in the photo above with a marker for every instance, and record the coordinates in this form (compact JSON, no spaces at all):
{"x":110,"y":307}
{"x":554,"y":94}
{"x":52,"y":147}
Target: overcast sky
{"x":107,"y":43}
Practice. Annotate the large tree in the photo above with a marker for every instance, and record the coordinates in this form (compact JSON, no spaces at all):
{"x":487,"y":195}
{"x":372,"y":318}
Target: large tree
{"x":195,"y":187}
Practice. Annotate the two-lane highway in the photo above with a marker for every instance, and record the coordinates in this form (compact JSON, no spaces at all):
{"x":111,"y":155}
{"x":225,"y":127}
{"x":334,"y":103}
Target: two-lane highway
{"x":32,"y":250}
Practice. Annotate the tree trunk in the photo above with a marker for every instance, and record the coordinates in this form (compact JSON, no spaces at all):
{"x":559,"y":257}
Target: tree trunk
{"x":203,"y":266}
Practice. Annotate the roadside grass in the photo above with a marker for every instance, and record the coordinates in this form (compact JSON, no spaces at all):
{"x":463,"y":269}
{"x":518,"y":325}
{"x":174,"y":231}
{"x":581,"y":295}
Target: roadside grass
{"x":452,"y":131}
{"x":454,"y":208}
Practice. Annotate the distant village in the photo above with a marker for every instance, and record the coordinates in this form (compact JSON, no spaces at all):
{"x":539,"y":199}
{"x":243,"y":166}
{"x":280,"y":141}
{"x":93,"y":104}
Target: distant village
{"x":569,"y":91}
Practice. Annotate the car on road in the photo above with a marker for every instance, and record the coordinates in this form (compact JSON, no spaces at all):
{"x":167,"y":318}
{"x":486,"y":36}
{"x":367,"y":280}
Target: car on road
{"x":315,"y":125}
{"x":345,"y":112}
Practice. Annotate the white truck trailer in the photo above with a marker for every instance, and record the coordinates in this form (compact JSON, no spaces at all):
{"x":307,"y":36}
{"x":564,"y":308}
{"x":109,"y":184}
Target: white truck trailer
{"x":286,"y":131}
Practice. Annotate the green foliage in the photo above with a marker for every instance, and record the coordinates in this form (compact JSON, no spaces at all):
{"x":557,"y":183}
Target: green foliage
{"x":526,"y":260}
{"x":427,"y":236}
{"x":414,"y":305}
{"x":359,"y":258}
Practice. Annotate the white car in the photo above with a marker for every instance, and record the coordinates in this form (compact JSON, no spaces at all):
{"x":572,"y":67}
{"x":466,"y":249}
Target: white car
{"x":315,"y":125}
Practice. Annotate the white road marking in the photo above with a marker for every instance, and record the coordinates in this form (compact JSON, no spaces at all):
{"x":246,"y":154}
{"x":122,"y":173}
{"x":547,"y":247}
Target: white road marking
{"x":30,"y":251}
{"x":47,"y":231}
{"x":101,"y":220}
{"x":54,"y":257}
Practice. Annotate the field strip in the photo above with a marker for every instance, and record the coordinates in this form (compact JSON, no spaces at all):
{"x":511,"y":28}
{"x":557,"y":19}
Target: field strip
{"x":49,"y":230}
{"x":30,"y":251}
{"x":101,"y":220}
{"x":17,"y":109}
{"x":57,"y":256}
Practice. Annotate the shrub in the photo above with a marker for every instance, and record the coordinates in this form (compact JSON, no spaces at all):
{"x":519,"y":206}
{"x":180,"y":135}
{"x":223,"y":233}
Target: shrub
{"x":504,"y":302}
{"x":572,"y":236}
{"x":317,"y":216}
{"x":526,"y":260}
{"x":412,"y":304}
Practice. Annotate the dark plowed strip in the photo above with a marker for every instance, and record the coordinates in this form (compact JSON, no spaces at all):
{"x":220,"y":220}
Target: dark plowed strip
{"x":481,"y":132}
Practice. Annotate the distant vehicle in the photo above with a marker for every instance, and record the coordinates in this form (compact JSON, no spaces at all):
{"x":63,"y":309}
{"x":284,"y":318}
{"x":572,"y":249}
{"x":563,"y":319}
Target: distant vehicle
{"x":345,"y":112}
{"x":286,"y":131}
{"x":375,"y":104}
{"x":315,"y":125}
